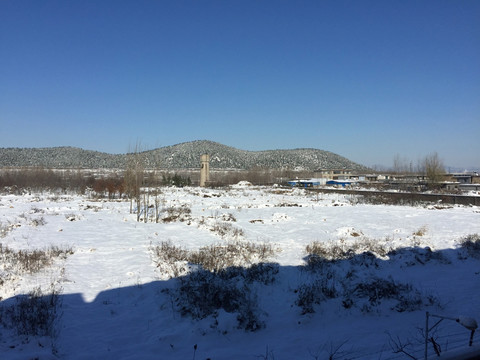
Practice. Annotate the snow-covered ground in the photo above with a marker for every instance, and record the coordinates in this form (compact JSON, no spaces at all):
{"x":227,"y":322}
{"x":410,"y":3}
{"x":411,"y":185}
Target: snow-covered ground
{"x":119,"y":302}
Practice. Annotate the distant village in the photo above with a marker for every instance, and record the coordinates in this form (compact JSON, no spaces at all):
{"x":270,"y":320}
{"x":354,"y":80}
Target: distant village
{"x":468,"y":181}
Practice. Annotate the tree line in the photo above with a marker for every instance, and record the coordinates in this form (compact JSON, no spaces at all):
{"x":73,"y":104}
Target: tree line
{"x":431,"y":166}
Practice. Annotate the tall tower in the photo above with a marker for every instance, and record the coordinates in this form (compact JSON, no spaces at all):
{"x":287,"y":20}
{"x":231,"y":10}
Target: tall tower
{"x":204,"y":169}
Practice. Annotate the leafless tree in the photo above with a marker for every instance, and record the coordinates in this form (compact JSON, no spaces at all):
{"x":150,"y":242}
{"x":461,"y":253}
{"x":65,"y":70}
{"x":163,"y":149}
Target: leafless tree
{"x":401,"y":164}
{"x":154,"y":182}
{"x":135,"y":177}
{"x":434,"y":168}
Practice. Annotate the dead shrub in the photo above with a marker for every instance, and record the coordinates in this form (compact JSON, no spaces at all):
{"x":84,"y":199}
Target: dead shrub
{"x":237,"y":253}
{"x":166,"y":251}
{"x":40,"y":221}
{"x":213,"y":258}
{"x":320,"y":252}
{"x":321,"y":289}
{"x":5,"y":229}
{"x":177,"y":213}
{"x":220,"y":281}
{"x":327,"y":251}
{"x":170,"y":259}
{"x":31,"y":261}
{"x":380,"y":248}
{"x":404,"y":296}
{"x":229,"y":217}
{"x":202,"y":293}
{"x":34,"y":314}
{"x":421,"y":231}
{"x":226,"y":229}
{"x":470,"y":244}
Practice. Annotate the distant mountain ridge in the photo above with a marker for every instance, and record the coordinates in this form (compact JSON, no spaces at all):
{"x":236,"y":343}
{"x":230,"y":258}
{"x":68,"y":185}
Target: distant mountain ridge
{"x":181,"y":156}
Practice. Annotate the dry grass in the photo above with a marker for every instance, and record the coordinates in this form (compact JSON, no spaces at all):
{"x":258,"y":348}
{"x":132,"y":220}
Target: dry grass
{"x":31,"y":261}
{"x":421,"y":231}
{"x":35,"y":314}
{"x":221,"y":279}
{"x":318,"y":252}
{"x":239,"y":253}
{"x":226,"y":229}
{"x":177,"y":213}
{"x":213,"y":257}
{"x":471,"y":245}
{"x":5,"y":229}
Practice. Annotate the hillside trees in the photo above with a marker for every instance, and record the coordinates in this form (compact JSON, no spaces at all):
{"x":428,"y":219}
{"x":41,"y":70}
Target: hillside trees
{"x":176,"y":180}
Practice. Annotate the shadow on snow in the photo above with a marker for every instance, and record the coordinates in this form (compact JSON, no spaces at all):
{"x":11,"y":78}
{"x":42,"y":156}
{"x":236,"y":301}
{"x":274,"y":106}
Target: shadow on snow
{"x":354,"y":300}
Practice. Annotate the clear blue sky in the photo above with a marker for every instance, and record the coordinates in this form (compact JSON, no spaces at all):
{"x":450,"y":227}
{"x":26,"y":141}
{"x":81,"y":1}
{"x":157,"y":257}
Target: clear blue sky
{"x":364,"y":79}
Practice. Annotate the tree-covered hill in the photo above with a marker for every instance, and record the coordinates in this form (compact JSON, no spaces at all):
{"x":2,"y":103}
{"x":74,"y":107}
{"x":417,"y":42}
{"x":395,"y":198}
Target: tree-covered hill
{"x":180,"y":156}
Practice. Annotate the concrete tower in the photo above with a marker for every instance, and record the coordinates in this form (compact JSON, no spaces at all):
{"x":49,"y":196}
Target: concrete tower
{"x":204,"y":169}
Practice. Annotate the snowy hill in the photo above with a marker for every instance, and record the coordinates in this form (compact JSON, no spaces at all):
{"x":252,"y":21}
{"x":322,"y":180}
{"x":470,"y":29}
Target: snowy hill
{"x":59,"y":158}
{"x":180,"y":156}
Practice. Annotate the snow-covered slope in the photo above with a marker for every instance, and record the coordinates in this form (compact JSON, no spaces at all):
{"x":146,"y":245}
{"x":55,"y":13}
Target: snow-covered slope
{"x":180,"y":156}
{"x":119,"y":300}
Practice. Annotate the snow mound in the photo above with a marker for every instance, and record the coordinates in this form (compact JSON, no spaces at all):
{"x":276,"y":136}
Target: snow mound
{"x":242,"y":184}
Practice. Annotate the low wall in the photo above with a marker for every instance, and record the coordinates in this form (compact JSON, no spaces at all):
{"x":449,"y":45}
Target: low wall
{"x":406,"y":198}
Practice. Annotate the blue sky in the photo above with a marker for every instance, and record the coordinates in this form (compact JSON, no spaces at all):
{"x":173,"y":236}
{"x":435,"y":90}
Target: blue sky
{"x":365,"y":79}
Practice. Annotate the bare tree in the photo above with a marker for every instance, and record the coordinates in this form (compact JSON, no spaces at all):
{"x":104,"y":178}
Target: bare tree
{"x":434,"y":168}
{"x":154,"y":181}
{"x":135,"y":177}
{"x":142,"y":184}
{"x":400,"y":165}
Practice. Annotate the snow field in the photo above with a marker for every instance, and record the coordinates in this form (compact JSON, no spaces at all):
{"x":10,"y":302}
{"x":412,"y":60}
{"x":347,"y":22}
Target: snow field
{"x":114,"y":306}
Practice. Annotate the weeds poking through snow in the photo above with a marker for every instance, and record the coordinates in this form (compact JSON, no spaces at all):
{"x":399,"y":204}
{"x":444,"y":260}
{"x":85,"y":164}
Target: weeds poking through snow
{"x":237,"y":253}
{"x":268,"y":355}
{"x":333,"y":266}
{"x":470,"y":244}
{"x":221,"y":281}
{"x":35,"y":314}
{"x":30,"y":261}
{"x":40,"y":221}
{"x":421,"y":231}
{"x":226,"y":229}
{"x":212,"y":258}
{"x":222,"y":225}
{"x":170,"y":259}
{"x":202,"y":293}
{"x":320,"y":290}
{"x":229,"y":217}
{"x":5,"y":229}
{"x":177,"y":213}
{"x":319,"y":252}
{"x":404,"y":296}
